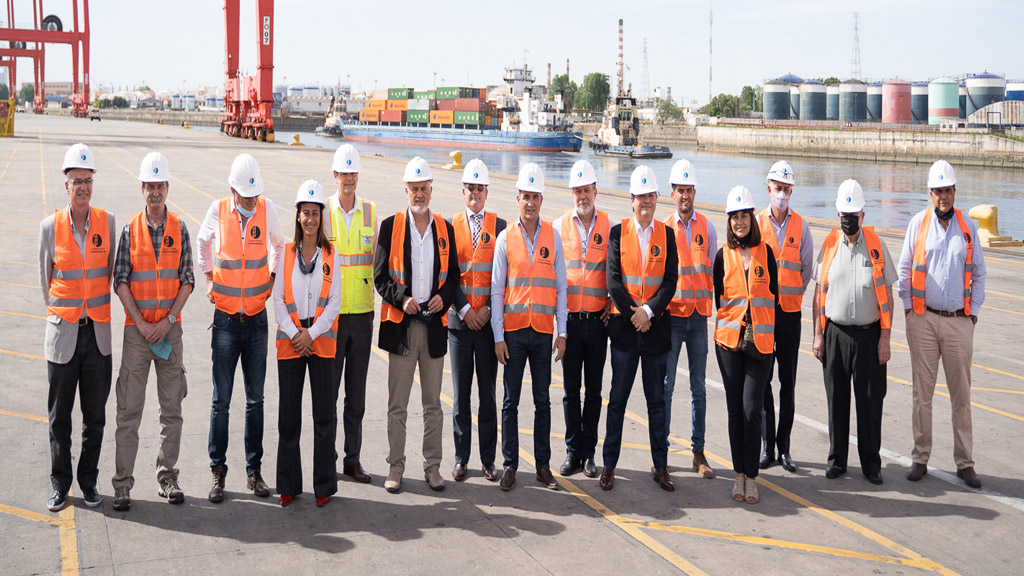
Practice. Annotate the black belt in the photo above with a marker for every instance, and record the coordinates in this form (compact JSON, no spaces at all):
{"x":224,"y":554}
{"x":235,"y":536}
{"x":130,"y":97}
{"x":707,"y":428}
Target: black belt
{"x":859,"y":327}
{"x":240,"y":317}
{"x":84,"y":321}
{"x":585,"y":315}
{"x":955,"y":314}
{"x":307,"y":322}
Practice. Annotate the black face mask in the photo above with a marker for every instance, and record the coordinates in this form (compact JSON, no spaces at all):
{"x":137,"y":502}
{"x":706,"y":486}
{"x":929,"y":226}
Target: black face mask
{"x":945,"y":215}
{"x":850,"y":223}
{"x":743,"y":241}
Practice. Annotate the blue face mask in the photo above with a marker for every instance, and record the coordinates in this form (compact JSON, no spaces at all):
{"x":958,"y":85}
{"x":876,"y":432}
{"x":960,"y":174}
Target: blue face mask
{"x":245,"y":213}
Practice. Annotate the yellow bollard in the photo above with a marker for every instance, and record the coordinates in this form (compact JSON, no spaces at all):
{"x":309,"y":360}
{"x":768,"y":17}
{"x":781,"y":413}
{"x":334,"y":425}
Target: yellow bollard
{"x":987,"y":216}
{"x":185,"y":125}
{"x":127,"y":118}
{"x":295,"y":141}
{"x":456,"y":156}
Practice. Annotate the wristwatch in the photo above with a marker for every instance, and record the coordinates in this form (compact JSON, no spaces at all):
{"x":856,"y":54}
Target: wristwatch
{"x":561,"y":335}
{"x":170,"y":319}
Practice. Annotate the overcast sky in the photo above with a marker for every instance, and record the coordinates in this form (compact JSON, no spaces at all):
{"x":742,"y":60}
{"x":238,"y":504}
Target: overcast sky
{"x":171,"y":45}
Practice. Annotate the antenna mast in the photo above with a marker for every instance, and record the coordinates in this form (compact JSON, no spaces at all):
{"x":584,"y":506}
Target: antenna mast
{"x":711,"y":22}
{"x":855,"y":64}
{"x":645,"y":77}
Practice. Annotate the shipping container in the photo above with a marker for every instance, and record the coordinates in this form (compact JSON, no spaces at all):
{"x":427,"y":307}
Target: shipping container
{"x":376,"y":104}
{"x":469,"y":105}
{"x":453,"y":92}
{"x":423,"y":95}
{"x":445,"y":104}
{"x":354,"y":106}
{"x":379,"y":95}
{"x":417,"y":116}
{"x":392,"y":116}
{"x":442,"y":116}
{"x":398,"y":104}
{"x":421,"y":104}
{"x":369,"y":115}
{"x":399,"y":93}
{"x":473,"y":118}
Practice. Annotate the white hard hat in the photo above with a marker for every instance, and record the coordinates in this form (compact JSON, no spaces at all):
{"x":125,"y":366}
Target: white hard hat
{"x":582,"y":174}
{"x":642,"y":181}
{"x":154,"y":168}
{"x":245,"y":176}
{"x":941,"y":175}
{"x":78,"y":156}
{"x":782,"y":172}
{"x":417,"y":170}
{"x":346,"y":159}
{"x":531,"y":179}
{"x":311,"y":191}
{"x":683,"y":174}
{"x":476,"y":173}
{"x":739,"y":199}
{"x":850,"y":198}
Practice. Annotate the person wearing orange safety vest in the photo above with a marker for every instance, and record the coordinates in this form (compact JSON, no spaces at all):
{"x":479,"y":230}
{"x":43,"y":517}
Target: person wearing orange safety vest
{"x":746,"y":287}
{"x":528,"y":289}
{"x":643,"y":266}
{"x":853,"y":305}
{"x":153,"y":277}
{"x":790,"y":238}
{"x":942,"y":285}
{"x":240,"y":244}
{"x":470,"y":338}
{"x":584,"y":232}
{"x":416,"y":273}
{"x":76,"y":257}
{"x":307,"y":295}
{"x":696,"y":245}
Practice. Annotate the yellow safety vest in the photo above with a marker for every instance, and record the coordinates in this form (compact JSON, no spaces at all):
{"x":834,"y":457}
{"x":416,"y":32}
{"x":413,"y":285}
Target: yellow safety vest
{"x":355,"y":255}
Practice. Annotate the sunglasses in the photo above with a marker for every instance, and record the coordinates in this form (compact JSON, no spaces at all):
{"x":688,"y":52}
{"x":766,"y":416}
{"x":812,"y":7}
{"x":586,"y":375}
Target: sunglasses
{"x":475,"y":187}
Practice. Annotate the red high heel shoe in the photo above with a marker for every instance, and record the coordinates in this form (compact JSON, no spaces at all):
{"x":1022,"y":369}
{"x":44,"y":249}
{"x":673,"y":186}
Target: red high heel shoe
{"x":286,"y":500}
{"x":321,"y":502}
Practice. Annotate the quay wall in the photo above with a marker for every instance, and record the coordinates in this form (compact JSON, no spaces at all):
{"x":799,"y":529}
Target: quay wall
{"x":197,"y":118}
{"x":671,"y":135}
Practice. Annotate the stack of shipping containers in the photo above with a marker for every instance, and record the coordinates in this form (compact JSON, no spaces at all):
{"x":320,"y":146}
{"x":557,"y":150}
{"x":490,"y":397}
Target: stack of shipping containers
{"x":446,"y":106}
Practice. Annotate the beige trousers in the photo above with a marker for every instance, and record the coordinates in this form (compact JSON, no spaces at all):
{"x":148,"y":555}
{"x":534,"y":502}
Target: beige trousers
{"x":933,"y":338}
{"x":400,"y":378}
{"x":132,"y":377}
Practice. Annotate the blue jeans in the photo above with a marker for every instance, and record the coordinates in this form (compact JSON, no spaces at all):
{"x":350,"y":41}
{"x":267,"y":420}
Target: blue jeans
{"x":586,"y":347}
{"x":233,"y":339}
{"x":694,"y":331}
{"x":523,"y":345}
{"x":624,"y":365}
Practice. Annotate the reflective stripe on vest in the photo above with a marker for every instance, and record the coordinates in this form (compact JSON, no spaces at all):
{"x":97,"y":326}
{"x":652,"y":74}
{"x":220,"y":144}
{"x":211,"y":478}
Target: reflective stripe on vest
{"x":586,"y":278}
{"x":325,"y":345}
{"x":354,"y":247}
{"x":396,"y":260}
{"x":874,"y":248}
{"x":791,"y":281}
{"x":641,"y":281}
{"x":154,"y":283}
{"x":474,"y":264}
{"x":695,"y":286}
{"x":78,"y":283}
{"x":241,"y":274}
{"x":919,"y":267}
{"x":530,"y":292}
{"x":739,"y":293}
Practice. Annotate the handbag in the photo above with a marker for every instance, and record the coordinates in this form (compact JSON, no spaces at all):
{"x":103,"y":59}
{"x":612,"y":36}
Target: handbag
{"x":747,"y":345}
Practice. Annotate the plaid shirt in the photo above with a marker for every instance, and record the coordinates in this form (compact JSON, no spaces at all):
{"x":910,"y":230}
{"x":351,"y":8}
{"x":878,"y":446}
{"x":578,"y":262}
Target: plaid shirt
{"x":123,"y":260}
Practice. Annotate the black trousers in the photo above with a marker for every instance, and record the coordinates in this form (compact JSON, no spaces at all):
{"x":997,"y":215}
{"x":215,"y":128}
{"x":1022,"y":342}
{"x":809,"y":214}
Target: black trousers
{"x":90,"y":372}
{"x":355,"y":334}
{"x":586,"y":348}
{"x":852,"y":353}
{"x":291,"y":375}
{"x":473,"y":351}
{"x":745,"y":379}
{"x":787,"y":350}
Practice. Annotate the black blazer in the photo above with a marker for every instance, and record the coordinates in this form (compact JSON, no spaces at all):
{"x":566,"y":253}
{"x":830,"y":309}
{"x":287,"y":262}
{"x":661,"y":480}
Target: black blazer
{"x":395,"y":337}
{"x":454,"y":322}
{"x":658,"y":339}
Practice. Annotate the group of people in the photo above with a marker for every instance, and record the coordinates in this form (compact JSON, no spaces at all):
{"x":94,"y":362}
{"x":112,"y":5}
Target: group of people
{"x":485,"y":291}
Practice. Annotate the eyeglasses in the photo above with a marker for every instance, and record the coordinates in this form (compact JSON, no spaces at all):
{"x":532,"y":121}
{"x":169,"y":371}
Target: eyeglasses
{"x":476,"y":187}
{"x":81,"y":182}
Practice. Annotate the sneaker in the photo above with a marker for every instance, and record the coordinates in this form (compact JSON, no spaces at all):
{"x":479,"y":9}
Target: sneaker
{"x":91,"y":497}
{"x":169,"y":489}
{"x":58,"y":500}
{"x":257,"y":485}
{"x":122,"y":499}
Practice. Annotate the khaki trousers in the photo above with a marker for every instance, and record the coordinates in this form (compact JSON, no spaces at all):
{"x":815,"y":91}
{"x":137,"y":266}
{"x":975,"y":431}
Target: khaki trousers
{"x":950,"y":339}
{"x":136,"y":357}
{"x":400,"y":378}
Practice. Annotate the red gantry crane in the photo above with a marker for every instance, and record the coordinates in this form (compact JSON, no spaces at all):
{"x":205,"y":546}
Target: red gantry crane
{"x":248,"y":99}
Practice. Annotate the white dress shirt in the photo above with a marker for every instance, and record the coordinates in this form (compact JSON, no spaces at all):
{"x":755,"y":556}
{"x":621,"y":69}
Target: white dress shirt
{"x":306,"y":291}
{"x":644,"y":236}
{"x":421,"y":257}
{"x":209,"y":240}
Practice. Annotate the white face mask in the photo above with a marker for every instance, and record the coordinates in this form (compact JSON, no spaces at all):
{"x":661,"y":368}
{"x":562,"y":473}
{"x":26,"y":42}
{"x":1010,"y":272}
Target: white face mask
{"x":780,"y":201}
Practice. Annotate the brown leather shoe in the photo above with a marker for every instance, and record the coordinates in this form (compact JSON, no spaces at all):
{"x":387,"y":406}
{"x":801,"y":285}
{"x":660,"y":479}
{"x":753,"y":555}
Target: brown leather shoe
{"x":217,"y":490}
{"x":700,"y":464}
{"x":255,"y":483}
{"x":545,"y":477}
{"x":607,"y":480}
{"x":662,"y":478}
{"x":459,"y":472}
{"x":969,"y":476}
{"x":508,"y":479}
{"x":490,"y":472}
{"x":917,"y":471}
{"x":356,"y":472}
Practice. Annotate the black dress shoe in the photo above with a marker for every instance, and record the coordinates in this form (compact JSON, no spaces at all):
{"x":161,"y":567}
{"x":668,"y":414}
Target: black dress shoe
{"x":766,"y":460}
{"x":571,"y":465}
{"x":459,"y":472}
{"x":833,"y":472}
{"x":607,"y":478}
{"x":545,"y":477}
{"x":875,"y":478}
{"x":508,"y":479}
{"x":57,"y":501}
{"x":490,"y":472}
{"x":969,"y":476}
{"x":356,"y":472}
{"x":787,"y":462}
{"x":662,"y":478}
{"x":589,"y":468}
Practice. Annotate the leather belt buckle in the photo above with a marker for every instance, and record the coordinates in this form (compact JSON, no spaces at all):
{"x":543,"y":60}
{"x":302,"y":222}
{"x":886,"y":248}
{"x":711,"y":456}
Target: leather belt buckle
{"x":584,"y":315}
{"x":240,"y":317}
{"x":945,"y":314}
{"x":84,"y":321}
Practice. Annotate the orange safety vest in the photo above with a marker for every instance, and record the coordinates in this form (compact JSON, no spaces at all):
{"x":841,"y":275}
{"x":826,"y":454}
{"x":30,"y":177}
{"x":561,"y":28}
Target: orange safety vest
{"x":154,"y":283}
{"x":241,"y":273}
{"x":474,"y":264}
{"x":325,"y":345}
{"x":874,"y":246}
{"x":530,"y":289}
{"x":76,"y":283}
{"x":695,"y":286}
{"x":791,"y":281}
{"x":641,"y":281}
{"x":739,"y":294}
{"x":396,"y":260}
{"x":586,"y":278}
{"x":919,"y":269}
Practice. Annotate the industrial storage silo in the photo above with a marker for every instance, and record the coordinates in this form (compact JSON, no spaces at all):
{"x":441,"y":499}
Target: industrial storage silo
{"x":963,"y":100}
{"x":896,"y":102}
{"x":812,"y":100}
{"x":776,"y":100}
{"x":875,"y":101}
{"x":1015,"y":91}
{"x":943,"y":100}
{"x":919,"y":102}
{"x":984,"y":89}
{"x":794,"y":102}
{"x":853,"y":101}
{"x":832,"y":102}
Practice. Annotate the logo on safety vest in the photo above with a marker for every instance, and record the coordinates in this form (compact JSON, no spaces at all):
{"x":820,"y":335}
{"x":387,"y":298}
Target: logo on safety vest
{"x":485,"y":237}
{"x":655,"y":250}
{"x":327,"y":270}
{"x":97,"y":240}
{"x":168,"y":241}
{"x":544,"y":252}
{"x":598,"y":239}
{"x":875,"y":255}
{"x":255,"y":232}
{"x":442,"y":243}
{"x":967,"y":237}
{"x":790,"y":240}
{"x":758,"y":271}
{"x":698,"y":239}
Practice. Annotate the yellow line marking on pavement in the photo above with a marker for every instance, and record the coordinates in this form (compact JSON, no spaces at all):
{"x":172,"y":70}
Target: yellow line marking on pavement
{"x":29,"y":515}
{"x":23,"y":314}
{"x":1010,"y":298}
{"x":1004,"y":261}
{"x":69,"y":539}
{"x":42,"y":170}
{"x":987,"y":307}
{"x":991,"y":291}
{"x":22,"y":354}
{"x":5,"y":283}
{"x":24,"y":415}
{"x":18,"y":262}
{"x":25,"y":246}
{"x":9,"y":160}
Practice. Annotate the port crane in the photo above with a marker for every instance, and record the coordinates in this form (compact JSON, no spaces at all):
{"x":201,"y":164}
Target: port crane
{"x":248,"y":100}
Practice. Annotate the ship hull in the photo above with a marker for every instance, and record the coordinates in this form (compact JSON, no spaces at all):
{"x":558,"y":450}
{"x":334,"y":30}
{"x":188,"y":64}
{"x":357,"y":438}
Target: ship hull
{"x":466,"y":138}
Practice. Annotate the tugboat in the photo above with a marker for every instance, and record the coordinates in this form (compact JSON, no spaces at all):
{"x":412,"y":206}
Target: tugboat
{"x":332,"y":122}
{"x":620,"y":131}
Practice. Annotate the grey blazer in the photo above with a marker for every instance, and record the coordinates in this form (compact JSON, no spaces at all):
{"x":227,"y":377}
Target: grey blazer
{"x":61,"y":336}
